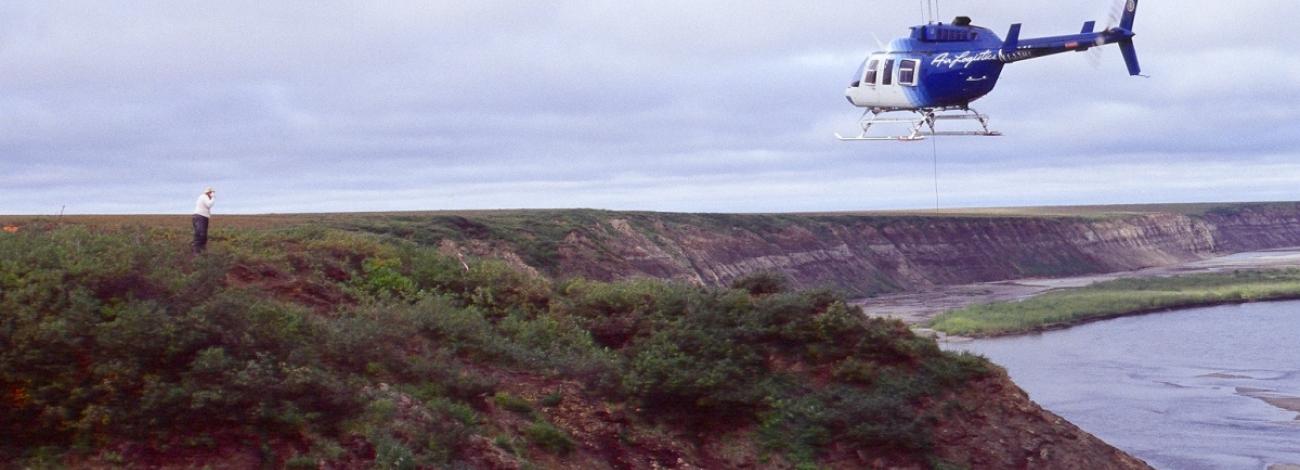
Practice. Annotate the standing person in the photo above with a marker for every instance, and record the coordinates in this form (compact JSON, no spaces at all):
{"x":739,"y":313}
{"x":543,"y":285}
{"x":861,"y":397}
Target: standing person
{"x":202,"y":213}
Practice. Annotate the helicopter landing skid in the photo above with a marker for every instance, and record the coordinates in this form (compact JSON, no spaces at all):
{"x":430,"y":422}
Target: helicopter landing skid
{"x":923,"y":126}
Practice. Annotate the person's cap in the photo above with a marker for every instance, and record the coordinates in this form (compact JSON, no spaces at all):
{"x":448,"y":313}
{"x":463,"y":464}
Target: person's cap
{"x":209,"y":190}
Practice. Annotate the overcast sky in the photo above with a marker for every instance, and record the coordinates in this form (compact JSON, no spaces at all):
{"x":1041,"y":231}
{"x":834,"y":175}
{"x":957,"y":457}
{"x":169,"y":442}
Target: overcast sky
{"x":726,"y":106}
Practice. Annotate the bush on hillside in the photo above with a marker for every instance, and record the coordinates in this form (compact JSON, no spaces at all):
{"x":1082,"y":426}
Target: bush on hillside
{"x":490,"y":285}
{"x":112,"y":335}
{"x":762,"y":283}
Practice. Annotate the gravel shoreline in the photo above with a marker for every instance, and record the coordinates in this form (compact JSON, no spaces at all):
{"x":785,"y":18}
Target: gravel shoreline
{"x":917,"y":308}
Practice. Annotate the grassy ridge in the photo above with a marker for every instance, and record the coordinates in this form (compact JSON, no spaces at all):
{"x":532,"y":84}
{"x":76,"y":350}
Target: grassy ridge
{"x":309,"y":345}
{"x":1119,"y":297}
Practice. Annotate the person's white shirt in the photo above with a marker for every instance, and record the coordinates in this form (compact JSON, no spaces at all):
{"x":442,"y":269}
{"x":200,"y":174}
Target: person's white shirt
{"x":204,"y":205}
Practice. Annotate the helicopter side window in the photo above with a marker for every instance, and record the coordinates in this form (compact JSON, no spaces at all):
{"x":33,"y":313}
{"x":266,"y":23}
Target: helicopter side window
{"x":907,"y":72}
{"x":870,"y":77}
{"x":889,"y":73}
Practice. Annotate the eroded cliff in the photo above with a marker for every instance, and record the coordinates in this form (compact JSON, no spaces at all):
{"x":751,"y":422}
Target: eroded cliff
{"x":863,"y":254}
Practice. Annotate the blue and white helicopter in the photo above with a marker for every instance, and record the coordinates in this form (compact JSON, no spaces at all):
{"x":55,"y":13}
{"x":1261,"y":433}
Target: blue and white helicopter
{"x":941,"y":68}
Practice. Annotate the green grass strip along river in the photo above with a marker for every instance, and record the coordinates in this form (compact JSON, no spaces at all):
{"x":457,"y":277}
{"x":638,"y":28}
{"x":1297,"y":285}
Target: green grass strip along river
{"x":1119,"y":297}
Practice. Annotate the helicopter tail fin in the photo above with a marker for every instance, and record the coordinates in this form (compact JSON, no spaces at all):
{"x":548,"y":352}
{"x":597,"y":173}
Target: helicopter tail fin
{"x":1130,"y":10}
{"x":1130,"y":57}
{"x":1013,"y":38}
{"x":1126,"y":44}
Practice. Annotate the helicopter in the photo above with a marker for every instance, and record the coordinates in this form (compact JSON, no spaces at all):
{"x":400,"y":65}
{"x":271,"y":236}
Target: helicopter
{"x":939,"y":69}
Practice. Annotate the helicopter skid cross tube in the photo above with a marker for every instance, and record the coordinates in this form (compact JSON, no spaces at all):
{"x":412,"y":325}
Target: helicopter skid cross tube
{"x":923,"y":126}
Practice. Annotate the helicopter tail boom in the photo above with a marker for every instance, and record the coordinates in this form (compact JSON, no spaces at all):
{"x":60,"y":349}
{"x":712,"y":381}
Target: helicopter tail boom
{"x":1015,"y":49}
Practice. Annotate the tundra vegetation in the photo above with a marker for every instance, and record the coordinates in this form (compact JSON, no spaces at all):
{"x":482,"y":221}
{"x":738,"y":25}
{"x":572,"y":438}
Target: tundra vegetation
{"x":320,"y":345}
{"x":1119,"y":297}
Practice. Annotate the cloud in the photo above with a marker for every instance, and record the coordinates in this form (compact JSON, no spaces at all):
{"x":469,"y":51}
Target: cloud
{"x":310,"y":106}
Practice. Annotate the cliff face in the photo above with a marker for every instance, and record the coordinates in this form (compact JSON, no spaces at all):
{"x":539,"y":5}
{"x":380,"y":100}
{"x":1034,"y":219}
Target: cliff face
{"x":1255,"y":227}
{"x":871,"y":254}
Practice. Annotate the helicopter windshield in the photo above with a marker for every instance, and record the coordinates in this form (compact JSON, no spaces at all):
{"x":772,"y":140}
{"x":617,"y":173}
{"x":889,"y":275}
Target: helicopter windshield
{"x":857,"y":76}
{"x":866,"y":74}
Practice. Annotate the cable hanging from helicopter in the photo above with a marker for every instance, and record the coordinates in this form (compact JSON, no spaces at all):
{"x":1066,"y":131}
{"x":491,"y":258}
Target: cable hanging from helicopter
{"x":939,"y":69}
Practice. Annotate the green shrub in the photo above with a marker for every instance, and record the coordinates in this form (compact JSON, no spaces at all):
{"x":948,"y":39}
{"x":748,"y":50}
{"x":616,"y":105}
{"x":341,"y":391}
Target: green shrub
{"x":490,"y":285}
{"x":615,"y":313}
{"x":552,"y":400}
{"x":392,"y":454}
{"x":796,"y":426}
{"x":469,"y":386}
{"x":454,"y":410}
{"x":549,"y":438}
{"x":855,"y":371}
{"x":506,"y":444}
{"x":762,"y":283}
{"x":301,"y":462}
{"x":512,"y":403}
{"x":382,"y":279}
{"x":958,"y":368}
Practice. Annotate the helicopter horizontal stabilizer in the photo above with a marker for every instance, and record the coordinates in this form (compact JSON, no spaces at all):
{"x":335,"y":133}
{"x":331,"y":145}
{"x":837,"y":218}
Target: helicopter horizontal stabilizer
{"x":1088,"y":27}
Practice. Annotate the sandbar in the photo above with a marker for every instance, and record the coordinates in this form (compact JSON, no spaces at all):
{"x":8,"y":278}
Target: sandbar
{"x":1286,"y":402}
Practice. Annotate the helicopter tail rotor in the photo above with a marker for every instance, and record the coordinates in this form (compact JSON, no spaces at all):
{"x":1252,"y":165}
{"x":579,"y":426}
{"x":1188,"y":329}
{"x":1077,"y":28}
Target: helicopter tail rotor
{"x":1121,"y":16}
{"x":1116,"y":10}
{"x":1112,"y":20}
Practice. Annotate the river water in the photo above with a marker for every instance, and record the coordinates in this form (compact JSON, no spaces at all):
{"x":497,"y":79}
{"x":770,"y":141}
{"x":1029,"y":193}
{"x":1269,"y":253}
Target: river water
{"x":1181,"y":390}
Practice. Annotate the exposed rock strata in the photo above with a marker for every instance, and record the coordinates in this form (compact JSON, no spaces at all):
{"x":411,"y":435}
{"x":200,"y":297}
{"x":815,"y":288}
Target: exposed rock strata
{"x":873,"y":254}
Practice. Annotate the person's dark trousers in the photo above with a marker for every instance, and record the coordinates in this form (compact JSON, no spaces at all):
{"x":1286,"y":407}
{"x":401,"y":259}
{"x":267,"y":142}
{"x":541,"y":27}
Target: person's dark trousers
{"x":200,"y":242}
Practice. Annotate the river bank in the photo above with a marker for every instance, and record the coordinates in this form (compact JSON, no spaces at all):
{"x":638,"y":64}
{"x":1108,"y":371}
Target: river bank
{"x":920,"y":308}
{"x":1121,"y":297}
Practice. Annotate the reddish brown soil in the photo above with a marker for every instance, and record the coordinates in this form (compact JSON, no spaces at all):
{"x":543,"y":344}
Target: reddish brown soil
{"x":997,"y":426}
{"x":295,"y":286}
{"x":990,"y":424}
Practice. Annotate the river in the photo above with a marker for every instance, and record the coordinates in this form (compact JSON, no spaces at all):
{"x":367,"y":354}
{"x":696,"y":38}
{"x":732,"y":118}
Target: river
{"x":1203,"y":388}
